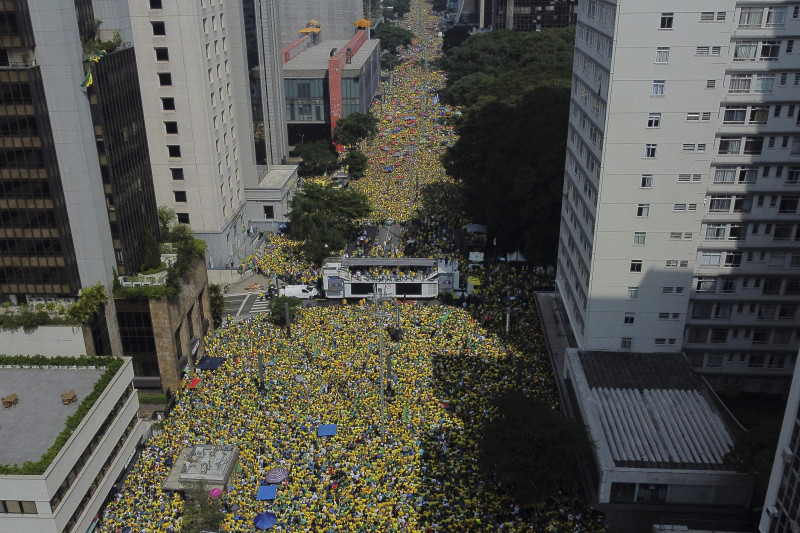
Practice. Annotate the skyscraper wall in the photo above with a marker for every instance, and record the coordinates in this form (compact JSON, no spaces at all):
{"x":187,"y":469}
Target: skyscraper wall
{"x":680,"y":214}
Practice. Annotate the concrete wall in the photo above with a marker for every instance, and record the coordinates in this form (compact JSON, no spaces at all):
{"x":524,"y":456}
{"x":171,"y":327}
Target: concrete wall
{"x":42,"y":488}
{"x":51,"y":341}
{"x":190,"y":307}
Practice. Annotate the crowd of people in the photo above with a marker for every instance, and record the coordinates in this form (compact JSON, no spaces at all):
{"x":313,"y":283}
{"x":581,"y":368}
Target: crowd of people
{"x":405,"y":456}
{"x":423,"y":475}
{"x":413,"y":128}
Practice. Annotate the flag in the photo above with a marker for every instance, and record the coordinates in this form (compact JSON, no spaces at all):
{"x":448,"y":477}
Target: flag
{"x":441,"y":320}
{"x":87,"y":81}
{"x":436,"y":98}
{"x":405,"y":414}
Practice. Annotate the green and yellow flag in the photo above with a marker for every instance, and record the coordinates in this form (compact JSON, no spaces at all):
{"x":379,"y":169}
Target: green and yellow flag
{"x":87,"y":81}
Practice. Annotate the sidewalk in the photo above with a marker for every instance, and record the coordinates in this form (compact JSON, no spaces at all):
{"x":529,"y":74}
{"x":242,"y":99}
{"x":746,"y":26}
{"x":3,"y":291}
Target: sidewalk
{"x":559,"y":337}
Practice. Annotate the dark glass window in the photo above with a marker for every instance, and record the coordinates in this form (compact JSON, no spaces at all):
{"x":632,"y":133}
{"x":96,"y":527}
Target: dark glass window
{"x":168,"y":104}
{"x":183,"y":218}
{"x":159,"y":28}
{"x":180,"y":196}
{"x":164,"y":79}
{"x":177,"y":173}
{"x":162,"y":54}
{"x":174,"y":150}
{"x":171,"y":127}
{"x":155,"y":4}
{"x":269,"y":212}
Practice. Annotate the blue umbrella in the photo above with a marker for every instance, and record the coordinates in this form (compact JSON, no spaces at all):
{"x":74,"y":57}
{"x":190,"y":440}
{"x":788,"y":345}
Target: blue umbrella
{"x":265,"y":520}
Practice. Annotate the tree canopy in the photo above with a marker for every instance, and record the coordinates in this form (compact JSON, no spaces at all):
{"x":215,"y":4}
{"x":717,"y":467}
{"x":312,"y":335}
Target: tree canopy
{"x":356,"y":162}
{"x":354,"y":127}
{"x":277,"y":308}
{"x":200,"y":512}
{"x":454,"y":37}
{"x":531,"y":448}
{"x":324,"y":216}
{"x":318,"y":157}
{"x":512,"y":136}
{"x":392,"y":37}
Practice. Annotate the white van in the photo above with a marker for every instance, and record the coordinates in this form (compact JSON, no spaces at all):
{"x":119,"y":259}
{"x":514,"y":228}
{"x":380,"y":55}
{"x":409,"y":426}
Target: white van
{"x":304,"y":292}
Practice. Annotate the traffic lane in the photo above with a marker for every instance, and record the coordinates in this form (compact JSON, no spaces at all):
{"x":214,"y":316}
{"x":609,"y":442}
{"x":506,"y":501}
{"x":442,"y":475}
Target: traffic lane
{"x":235,"y":302}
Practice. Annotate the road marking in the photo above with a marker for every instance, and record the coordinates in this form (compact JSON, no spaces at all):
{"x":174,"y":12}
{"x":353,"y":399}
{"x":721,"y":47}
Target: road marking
{"x":239,"y":312}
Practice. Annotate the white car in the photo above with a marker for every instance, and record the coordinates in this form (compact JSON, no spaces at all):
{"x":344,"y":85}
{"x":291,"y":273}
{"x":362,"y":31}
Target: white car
{"x":304,"y":292}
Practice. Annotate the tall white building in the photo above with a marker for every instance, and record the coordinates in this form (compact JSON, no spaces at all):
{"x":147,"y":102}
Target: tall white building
{"x":195,"y":93}
{"x":782,"y":504}
{"x":680,"y":223}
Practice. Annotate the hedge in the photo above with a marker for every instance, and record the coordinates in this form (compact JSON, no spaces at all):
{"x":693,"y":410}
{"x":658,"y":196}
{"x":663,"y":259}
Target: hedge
{"x":112,"y":364}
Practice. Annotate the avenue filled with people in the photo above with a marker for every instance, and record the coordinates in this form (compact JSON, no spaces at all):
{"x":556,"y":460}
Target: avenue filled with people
{"x":405,"y":453}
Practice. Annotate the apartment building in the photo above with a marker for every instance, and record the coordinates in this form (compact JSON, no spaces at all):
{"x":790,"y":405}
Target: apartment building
{"x":680,"y":222}
{"x":782,"y":505}
{"x":195,"y":94}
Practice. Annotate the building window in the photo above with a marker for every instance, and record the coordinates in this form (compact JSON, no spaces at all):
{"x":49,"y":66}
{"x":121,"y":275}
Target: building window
{"x":643,"y":210}
{"x":646,"y":182}
{"x":666,"y":21}
{"x":269,"y":212}
{"x":629,"y":318}
{"x":633,"y":292}
{"x":168,"y":104}
{"x":159,"y":28}
{"x":183,"y":218}
{"x":155,"y":4}
{"x":662,"y":54}
{"x":751,"y":17}
{"x":654,"y":120}
{"x":174,"y":150}
{"x":658,"y":87}
{"x":177,"y":174}
{"x":788,"y":204}
{"x":171,"y":127}
{"x":162,"y":54}
{"x":706,"y":16}
{"x":180,"y":196}
{"x":625,"y":344}
{"x":711,"y":84}
{"x":639,"y":238}
{"x":650,"y":151}
{"x":164,"y":79}
{"x":636,"y":265}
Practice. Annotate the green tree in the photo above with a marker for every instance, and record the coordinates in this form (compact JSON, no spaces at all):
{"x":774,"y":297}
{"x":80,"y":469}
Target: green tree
{"x":166,"y":217}
{"x":389,"y":60}
{"x":152,"y":252}
{"x":277,"y":308}
{"x":318,"y":157}
{"x":323,"y":217}
{"x":354,"y":127}
{"x":531,"y":449}
{"x":401,"y":7}
{"x":217,"y":302}
{"x":510,"y":160}
{"x":392,"y":37}
{"x":200,"y":512}
{"x":356,"y":162}
{"x":454,"y":37}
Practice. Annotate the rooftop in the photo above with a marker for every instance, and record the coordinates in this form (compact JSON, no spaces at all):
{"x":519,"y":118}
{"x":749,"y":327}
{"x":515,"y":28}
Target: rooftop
{"x":653,"y":410}
{"x":277,"y":176}
{"x":209,"y":463}
{"x":29,"y":428}
{"x":316,"y":58}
